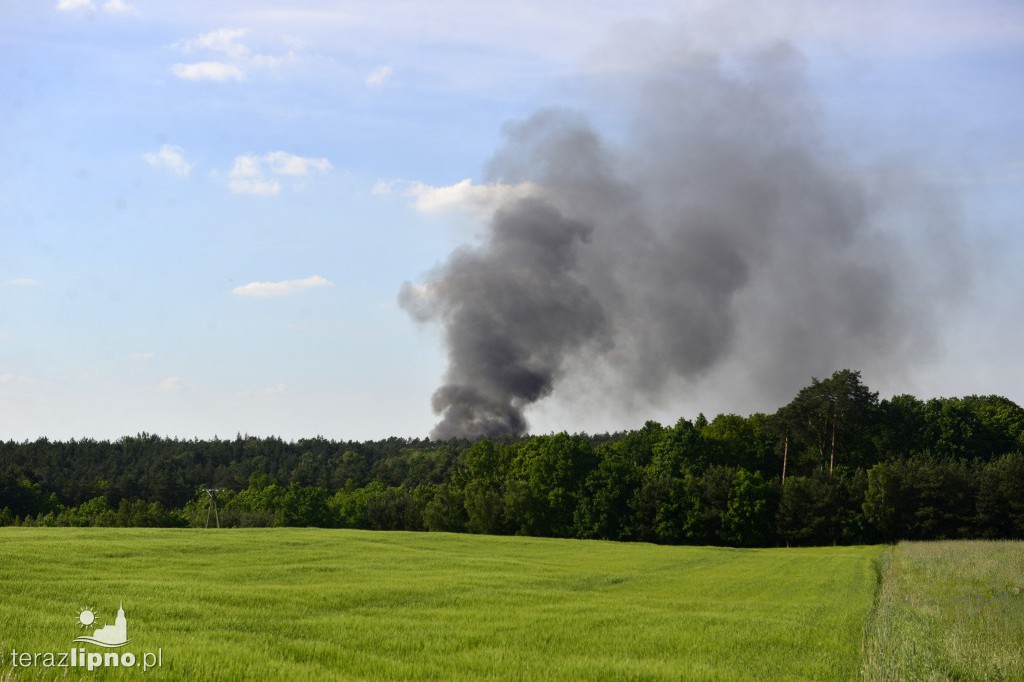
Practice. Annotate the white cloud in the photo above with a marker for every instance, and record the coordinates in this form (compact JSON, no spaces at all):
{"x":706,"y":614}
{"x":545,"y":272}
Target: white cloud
{"x":464,"y":196}
{"x":22,"y":282}
{"x":259,"y":174}
{"x":246,"y":166}
{"x":208,"y":71}
{"x":119,"y":7}
{"x":267,"y":61}
{"x":170,"y":157}
{"x":282,"y":288}
{"x":110,"y":6}
{"x":246,"y":177}
{"x":283,"y":163}
{"x":72,"y":5}
{"x":235,"y":58}
{"x":223,"y":40}
{"x":377,"y":77}
{"x":171,"y":384}
{"x":142,"y":357}
{"x":4,"y":336}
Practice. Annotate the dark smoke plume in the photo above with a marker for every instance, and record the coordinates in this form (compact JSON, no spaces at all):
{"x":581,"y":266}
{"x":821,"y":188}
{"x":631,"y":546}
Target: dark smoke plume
{"x":511,"y":311}
{"x":722,"y":228}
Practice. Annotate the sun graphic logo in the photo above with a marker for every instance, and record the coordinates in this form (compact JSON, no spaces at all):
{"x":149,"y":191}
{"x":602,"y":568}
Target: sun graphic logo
{"x":109,"y":636}
{"x":87,"y":617}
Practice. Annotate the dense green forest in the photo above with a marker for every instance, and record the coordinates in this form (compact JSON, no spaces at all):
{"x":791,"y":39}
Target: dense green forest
{"x":834,"y":465}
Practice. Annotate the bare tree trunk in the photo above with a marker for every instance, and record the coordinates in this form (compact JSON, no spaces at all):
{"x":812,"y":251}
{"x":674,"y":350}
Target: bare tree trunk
{"x":820,"y":436}
{"x":832,"y":453}
{"x":785,"y":458}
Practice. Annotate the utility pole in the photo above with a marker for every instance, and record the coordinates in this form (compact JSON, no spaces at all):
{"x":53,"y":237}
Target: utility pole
{"x":213,"y":505}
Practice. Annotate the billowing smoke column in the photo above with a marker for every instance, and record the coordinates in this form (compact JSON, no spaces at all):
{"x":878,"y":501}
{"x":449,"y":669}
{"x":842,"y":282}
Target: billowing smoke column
{"x":511,"y":313}
{"x":719,"y":227}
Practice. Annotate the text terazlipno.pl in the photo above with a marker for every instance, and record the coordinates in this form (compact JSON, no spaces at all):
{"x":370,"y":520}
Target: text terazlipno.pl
{"x":79,"y":658}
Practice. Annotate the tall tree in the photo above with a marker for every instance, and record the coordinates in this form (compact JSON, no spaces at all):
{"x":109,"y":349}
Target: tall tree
{"x":831,"y":418}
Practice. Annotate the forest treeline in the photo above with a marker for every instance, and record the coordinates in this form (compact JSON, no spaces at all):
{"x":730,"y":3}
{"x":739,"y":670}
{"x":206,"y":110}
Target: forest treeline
{"x":834,"y":465}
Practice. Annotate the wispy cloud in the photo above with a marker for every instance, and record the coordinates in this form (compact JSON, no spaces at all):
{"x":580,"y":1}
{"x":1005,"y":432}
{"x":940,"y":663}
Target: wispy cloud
{"x":247,"y":177}
{"x":283,"y":288}
{"x":282,"y":163}
{"x":22,"y":282}
{"x":227,"y":41}
{"x":119,"y":7}
{"x":171,"y":158}
{"x":377,"y":77}
{"x":73,"y":5}
{"x":234,"y":58}
{"x":122,"y":7}
{"x":261,"y":174}
{"x":480,"y":200}
{"x":208,"y":71}
{"x":172,"y":384}
{"x":142,"y":357}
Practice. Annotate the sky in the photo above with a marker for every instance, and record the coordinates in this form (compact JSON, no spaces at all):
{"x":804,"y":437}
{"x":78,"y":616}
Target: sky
{"x":208,"y":210}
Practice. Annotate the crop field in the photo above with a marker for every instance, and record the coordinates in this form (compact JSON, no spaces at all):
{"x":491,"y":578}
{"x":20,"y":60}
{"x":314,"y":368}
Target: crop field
{"x":949,"y":611}
{"x":334,"y":604}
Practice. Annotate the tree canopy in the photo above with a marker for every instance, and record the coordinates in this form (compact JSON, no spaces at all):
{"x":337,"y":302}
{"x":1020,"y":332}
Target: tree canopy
{"x":833,"y":465}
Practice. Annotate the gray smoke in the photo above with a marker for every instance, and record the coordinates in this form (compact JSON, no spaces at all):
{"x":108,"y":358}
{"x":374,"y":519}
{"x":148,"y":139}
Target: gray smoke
{"x":720,"y":228}
{"x":511,"y":311}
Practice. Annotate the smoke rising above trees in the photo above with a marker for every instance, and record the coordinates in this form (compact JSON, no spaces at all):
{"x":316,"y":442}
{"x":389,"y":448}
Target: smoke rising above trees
{"x":720,"y":227}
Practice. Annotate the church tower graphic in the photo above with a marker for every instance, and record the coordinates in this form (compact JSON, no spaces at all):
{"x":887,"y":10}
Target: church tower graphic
{"x":110,"y":636}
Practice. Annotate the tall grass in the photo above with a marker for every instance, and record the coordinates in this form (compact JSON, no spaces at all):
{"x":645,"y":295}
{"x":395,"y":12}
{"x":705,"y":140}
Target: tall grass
{"x":307,"y":604}
{"x":948,"y":611}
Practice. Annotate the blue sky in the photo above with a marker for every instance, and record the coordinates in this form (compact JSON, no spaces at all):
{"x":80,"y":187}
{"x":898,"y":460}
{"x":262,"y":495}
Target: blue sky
{"x":207,"y":209}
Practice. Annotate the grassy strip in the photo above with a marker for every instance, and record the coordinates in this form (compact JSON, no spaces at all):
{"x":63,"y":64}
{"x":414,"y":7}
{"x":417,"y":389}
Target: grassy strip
{"x":948,"y":611}
{"x":329,"y":604}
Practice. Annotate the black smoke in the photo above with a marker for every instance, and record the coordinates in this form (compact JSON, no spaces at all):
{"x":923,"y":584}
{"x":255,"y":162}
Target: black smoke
{"x":511,"y":311}
{"x":720,"y":228}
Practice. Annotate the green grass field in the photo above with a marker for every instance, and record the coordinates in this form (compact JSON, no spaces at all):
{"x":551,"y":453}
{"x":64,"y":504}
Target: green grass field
{"x":306,"y":604}
{"x":949,"y":611}
{"x":301,"y":604}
